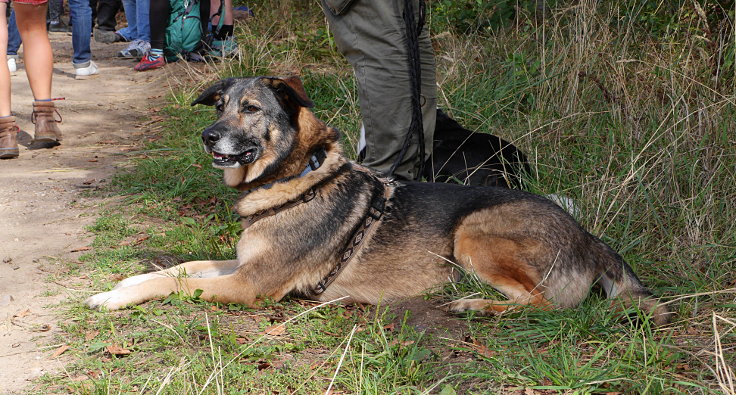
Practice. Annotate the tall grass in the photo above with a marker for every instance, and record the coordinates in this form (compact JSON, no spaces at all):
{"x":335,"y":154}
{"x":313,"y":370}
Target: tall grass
{"x":633,"y":119}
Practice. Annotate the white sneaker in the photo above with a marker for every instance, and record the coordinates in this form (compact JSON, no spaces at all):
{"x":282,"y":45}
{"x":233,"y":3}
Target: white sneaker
{"x":12,"y":65}
{"x":84,"y":72}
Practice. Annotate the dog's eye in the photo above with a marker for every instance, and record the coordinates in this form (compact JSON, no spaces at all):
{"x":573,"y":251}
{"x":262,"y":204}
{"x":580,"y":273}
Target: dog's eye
{"x":219,"y":107}
{"x":250,"y":108}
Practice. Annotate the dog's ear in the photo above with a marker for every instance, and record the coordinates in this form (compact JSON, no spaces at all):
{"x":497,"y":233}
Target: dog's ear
{"x":211,"y":95}
{"x":290,"y":89}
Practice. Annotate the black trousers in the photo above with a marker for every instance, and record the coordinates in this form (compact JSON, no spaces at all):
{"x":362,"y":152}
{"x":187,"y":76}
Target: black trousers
{"x":56,"y":8}
{"x":104,"y":11}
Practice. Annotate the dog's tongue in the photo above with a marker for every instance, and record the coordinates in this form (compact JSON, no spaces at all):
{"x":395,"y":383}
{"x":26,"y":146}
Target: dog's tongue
{"x":218,"y":156}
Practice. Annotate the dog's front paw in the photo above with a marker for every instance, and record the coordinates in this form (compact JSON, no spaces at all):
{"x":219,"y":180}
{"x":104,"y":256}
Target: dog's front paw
{"x":112,"y":300}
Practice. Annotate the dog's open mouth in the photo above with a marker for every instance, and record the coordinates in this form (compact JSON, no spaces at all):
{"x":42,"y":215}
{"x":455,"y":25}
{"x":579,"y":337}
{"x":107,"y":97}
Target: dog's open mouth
{"x":223,"y":160}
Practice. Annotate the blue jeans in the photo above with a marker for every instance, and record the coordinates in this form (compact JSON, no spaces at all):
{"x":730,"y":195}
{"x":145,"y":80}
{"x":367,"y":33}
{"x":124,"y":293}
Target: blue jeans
{"x":81,"y":20}
{"x":139,"y":26}
{"x":13,"y":35}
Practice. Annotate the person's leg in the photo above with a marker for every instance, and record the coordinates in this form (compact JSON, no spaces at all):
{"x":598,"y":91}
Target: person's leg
{"x":55,"y":24}
{"x":130,"y":32}
{"x":8,"y":129}
{"x":81,"y":17}
{"x":4,"y":72}
{"x":223,"y":43}
{"x":93,"y":8}
{"x":13,"y":43}
{"x":106,"y":11}
{"x":54,"y":10}
{"x":429,"y":91}
{"x":138,"y":31}
{"x":105,"y":18}
{"x":142,"y":9}
{"x":372,"y":36}
{"x":37,"y":52}
{"x":215,"y":13}
{"x":158,"y":19}
{"x":39,"y":68}
{"x":13,"y":35}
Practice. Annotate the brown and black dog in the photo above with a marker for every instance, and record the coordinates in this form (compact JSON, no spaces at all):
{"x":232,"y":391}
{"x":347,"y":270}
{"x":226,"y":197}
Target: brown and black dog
{"x":322,"y":227}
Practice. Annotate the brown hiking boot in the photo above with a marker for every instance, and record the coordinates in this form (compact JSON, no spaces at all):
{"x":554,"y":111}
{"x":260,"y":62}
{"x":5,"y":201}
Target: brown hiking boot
{"x":8,"y":141}
{"x":47,"y":133}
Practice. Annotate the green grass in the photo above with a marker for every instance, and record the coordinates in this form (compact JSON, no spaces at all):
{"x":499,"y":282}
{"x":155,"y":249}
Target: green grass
{"x":633,"y":124}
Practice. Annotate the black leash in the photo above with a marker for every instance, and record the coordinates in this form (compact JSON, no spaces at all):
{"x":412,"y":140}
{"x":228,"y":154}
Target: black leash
{"x":413,"y":30}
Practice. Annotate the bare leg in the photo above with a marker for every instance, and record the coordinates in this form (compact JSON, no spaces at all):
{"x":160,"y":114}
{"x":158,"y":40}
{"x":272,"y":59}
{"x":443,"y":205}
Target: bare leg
{"x":228,"y":8}
{"x":4,"y":72}
{"x":37,"y":54}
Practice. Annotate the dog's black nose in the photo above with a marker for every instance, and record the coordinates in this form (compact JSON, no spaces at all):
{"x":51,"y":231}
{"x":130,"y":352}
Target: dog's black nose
{"x":210,"y":136}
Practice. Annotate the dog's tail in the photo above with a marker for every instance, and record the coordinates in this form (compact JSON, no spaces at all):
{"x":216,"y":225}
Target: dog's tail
{"x":619,"y":281}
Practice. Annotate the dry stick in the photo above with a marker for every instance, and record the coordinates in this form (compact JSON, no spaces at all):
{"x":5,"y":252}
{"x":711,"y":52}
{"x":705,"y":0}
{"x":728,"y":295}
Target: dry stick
{"x":209,"y":379}
{"x":722,"y":291}
{"x":342,"y":358}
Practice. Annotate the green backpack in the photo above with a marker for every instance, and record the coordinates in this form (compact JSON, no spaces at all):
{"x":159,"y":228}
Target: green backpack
{"x":184,"y":32}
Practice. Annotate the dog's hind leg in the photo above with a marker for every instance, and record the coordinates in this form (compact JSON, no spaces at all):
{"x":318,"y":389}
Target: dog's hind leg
{"x":230,"y":288}
{"x":497,"y":261}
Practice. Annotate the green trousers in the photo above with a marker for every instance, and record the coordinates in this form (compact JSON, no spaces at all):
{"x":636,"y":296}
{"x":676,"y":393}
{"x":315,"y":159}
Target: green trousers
{"x":371,"y":34}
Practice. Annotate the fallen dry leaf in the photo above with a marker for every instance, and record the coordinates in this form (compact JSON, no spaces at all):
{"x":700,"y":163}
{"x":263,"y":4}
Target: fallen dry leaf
{"x":81,"y":249}
{"x":117,"y":350}
{"x":89,"y":335}
{"x":481,"y":349}
{"x":135,"y":242}
{"x":275,"y":330}
{"x":59,"y":351}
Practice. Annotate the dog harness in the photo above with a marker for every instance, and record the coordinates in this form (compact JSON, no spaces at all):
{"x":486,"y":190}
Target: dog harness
{"x":362,"y":232}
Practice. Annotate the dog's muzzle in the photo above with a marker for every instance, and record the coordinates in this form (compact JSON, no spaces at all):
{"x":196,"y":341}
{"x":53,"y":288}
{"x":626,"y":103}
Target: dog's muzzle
{"x":228,"y":155}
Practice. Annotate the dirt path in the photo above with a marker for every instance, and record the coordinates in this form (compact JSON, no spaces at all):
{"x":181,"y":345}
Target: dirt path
{"x":43,"y":214}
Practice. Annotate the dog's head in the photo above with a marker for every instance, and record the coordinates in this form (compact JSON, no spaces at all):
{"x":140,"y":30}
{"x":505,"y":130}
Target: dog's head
{"x":263,"y":124}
